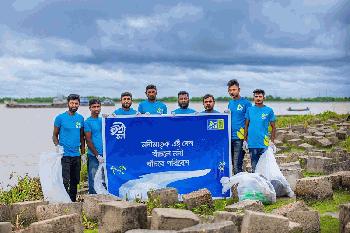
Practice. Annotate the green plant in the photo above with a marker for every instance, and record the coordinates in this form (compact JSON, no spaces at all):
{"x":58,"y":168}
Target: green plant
{"x":203,"y":210}
{"x":346,"y":144}
{"x":27,"y":189}
{"x":312,"y":174}
{"x":153,"y":202}
{"x":279,"y":203}
{"x":329,"y":224}
{"x":88,"y":223}
{"x":332,"y":205}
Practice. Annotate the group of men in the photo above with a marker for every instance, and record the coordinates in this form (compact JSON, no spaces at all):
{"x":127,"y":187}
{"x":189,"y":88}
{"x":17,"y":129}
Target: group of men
{"x":249,"y":129}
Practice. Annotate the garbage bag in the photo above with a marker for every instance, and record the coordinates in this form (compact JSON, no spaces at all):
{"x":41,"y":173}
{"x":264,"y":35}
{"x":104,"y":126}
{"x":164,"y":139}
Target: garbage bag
{"x":50,"y":172}
{"x":251,"y":186}
{"x":268,"y":167}
{"x":99,"y":181}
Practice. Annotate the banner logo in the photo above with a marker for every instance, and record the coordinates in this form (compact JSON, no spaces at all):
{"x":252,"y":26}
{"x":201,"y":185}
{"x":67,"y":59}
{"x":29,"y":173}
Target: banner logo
{"x":215,"y":124}
{"x":118,"y":130}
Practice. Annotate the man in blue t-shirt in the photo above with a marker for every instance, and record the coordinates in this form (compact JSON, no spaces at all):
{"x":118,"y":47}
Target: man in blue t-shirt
{"x":126,"y":102}
{"x":258,"y":119}
{"x":238,"y":107}
{"x":183,"y":99}
{"x":93,"y":137}
{"x":68,"y":133}
{"x":209,"y":103}
{"x":152,"y":105}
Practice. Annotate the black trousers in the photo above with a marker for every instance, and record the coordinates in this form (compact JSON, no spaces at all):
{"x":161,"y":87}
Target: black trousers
{"x":71,"y":175}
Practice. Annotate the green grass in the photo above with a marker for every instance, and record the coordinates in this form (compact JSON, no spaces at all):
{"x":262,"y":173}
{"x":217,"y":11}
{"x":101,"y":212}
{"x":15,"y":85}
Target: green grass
{"x":312,"y":174}
{"x":346,"y":144}
{"x":339,"y":197}
{"x":279,"y":203}
{"x":329,"y":224}
{"x":91,"y":231}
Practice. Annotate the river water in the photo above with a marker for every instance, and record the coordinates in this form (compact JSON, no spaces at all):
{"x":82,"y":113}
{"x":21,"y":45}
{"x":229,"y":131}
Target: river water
{"x":26,"y":133}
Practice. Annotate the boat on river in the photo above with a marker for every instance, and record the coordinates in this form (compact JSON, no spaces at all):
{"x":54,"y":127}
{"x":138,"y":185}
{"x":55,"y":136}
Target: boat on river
{"x":298,"y":109}
{"x":57,"y":102}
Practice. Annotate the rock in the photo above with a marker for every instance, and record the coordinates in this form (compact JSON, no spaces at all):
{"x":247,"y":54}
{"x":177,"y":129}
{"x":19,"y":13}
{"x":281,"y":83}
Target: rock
{"x":295,"y":227}
{"x":324,"y":142}
{"x":341,"y":134}
{"x":309,"y":139}
{"x":347,"y":228}
{"x":218,"y":227}
{"x":149,"y":231}
{"x":318,"y":188}
{"x":295,"y":206}
{"x":292,"y":175}
{"x":344,"y":216}
{"x":289,"y":136}
{"x":345,"y":180}
{"x":306,"y":146}
{"x":281,"y":158}
{"x":62,"y":224}
{"x":4,"y":213}
{"x":26,"y":211}
{"x":335,"y":180}
{"x":291,"y":165}
{"x":245,"y":205}
{"x":197,"y":198}
{"x":91,"y":204}
{"x":206,"y":218}
{"x":172,"y":219}
{"x":295,"y":141}
{"x":298,"y":128}
{"x":278,"y":143}
{"x":338,"y":166}
{"x":319,"y":134}
{"x":264,"y":223}
{"x":309,"y":220}
{"x":120,"y":216}
{"x":5,"y":227}
{"x":317,"y":163}
{"x":235,"y":217}
{"x":334,"y":140}
{"x":165,"y":196}
{"x":44,"y":212}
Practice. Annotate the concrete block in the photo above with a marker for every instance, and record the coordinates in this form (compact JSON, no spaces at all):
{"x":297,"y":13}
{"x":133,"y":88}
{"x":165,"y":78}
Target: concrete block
{"x":91,"y":203}
{"x":218,"y":227}
{"x":264,"y":223}
{"x":62,"y":224}
{"x":44,"y":212}
{"x":235,"y":217}
{"x":295,"y":206}
{"x":309,"y":220}
{"x":4,"y":213}
{"x":172,"y":219}
{"x":5,"y":227}
{"x":245,"y":205}
{"x":121,"y":216}
{"x":344,"y":217}
{"x":317,"y":163}
{"x":292,"y":175}
{"x":25,"y":211}
{"x":197,"y":198}
{"x":165,"y":196}
{"x":317,"y":188}
{"x":295,"y":228}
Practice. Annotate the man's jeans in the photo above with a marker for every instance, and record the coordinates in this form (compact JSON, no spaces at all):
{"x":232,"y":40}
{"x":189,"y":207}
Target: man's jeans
{"x":237,"y":155}
{"x":71,"y":175}
{"x":92,"y":165}
{"x":255,"y":154}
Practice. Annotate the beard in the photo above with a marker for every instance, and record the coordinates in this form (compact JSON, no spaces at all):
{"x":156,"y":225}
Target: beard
{"x":208,"y":108}
{"x":73,"y":109}
{"x":126,"y":105}
{"x":184,"y":105}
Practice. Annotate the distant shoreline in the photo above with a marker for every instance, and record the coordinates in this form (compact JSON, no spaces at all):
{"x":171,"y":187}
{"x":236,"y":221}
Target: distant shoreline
{"x":193,"y":99}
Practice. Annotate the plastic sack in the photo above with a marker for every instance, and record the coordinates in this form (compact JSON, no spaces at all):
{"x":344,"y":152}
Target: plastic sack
{"x":251,"y":186}
{"x":268,"y":167}
{"x":98,"y":181}
{"x":50,"y":172}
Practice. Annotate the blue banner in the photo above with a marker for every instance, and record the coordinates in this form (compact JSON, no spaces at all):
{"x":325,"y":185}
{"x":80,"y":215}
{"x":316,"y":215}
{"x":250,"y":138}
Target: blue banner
{"x":187,"y":152}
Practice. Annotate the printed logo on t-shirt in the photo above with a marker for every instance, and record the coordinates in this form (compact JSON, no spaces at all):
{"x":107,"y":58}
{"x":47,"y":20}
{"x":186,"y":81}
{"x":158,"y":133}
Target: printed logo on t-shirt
{"x":264,"y":115}
{"x":160,"y":111}
{"x":239,"y":107}
{"x":77,"y":125}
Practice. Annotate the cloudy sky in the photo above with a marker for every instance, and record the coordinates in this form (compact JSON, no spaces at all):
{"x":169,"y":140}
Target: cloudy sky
{"x":289,"y":48}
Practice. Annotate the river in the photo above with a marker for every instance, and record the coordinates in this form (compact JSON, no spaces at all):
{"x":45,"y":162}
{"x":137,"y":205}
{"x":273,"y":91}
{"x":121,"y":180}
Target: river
{"x":26,"y":133}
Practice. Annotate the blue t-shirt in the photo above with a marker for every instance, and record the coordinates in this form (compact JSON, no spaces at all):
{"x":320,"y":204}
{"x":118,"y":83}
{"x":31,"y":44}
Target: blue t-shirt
{"x":156,"y":107}
{"x":183,"y":111}
{"x":94,"y":126}
{"x":213,"y":111}
{"x":238,"y":110}
{"x":121,"y":111}
{"x":259,"y":119}
{"x":69,"y":135}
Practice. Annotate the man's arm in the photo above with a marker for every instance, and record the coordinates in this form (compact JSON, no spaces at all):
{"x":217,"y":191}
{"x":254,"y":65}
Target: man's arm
{"x":90,"y":144}
{"x":273,"y":131}
{"x":246,"y":130}
{"x":82,"y":141}
{"x":56,"y":131}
